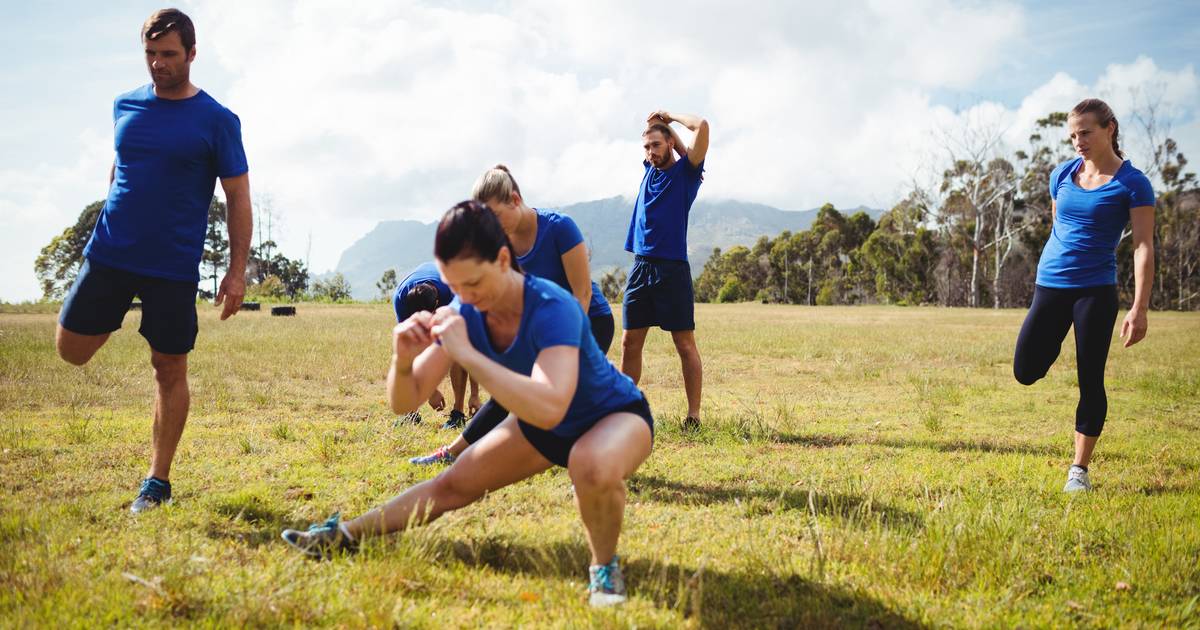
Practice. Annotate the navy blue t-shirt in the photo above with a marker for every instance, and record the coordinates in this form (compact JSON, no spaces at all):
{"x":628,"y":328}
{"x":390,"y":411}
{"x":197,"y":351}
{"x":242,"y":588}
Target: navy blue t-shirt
{"x":1082,"y":249}
{"x":424,"y":272}
{"x":659,"y":224}
{"x":169,"y":156}
{"x":557,"y":234}
{"x":551,"y":317}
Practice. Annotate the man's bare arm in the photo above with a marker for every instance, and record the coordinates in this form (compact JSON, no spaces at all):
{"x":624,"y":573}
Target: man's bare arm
{"x":699,"y":126}
{"x":240,"y":224}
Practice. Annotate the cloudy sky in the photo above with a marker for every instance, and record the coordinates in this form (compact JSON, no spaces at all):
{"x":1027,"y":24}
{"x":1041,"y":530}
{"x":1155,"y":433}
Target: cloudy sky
{"x":390,"y":110}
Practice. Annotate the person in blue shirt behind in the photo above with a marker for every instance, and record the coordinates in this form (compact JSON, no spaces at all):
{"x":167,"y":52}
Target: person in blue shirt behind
{"x":173,"y":142}
{"x":423,"y":290}
{"x":659,"y":289}
{"x":528,"y":342}
{"x":550,"y":246}
{"x":1093,"y":198}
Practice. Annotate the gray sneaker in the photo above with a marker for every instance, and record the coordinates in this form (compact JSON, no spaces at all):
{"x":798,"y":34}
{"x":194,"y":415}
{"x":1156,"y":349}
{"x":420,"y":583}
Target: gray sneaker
{"x":322,"y":540}
{"x":607,"y":585}
{"x":1077,"y":480}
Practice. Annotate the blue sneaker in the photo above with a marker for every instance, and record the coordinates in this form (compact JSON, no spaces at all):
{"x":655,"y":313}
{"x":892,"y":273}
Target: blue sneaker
{"x":440,"y":456}
{"x":322,"y":540}
{"x":607,"y":585}
{"x":154,"y":493}
{"x":457,"y":420}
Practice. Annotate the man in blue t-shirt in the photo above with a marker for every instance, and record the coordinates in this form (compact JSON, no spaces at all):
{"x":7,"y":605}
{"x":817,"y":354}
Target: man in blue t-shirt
{"x":659,"y":290}
{"x":172,"y":142}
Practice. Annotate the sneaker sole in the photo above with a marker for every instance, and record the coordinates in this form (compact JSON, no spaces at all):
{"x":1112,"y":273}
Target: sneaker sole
{"x":602,"y":600}
{"x":308,"y":551}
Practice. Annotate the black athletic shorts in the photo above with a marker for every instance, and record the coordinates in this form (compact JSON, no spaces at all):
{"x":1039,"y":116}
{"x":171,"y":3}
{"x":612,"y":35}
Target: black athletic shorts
{"x":659,"y":293}
{"x":557,"y":449}
{"x":101,"y":296}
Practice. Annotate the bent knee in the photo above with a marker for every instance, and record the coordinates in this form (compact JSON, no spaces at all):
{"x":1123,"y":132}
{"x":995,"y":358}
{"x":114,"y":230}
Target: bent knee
{"x":450,"y":493}
{"x":590,"y":472}
{"x":1027,"y":377}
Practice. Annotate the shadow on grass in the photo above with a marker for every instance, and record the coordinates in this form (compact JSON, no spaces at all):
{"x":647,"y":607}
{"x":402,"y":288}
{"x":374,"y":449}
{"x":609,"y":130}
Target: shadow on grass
{"x":850,"y":508}
{"x":717,"y":599}
{"x":250,"y":521}
{"x":944,"y":446}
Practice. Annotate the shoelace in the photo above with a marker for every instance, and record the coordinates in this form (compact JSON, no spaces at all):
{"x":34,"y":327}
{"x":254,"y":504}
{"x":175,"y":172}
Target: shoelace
{"x":330,"y":524}
{"x":603,"y":578}
{"x":153,"y":488}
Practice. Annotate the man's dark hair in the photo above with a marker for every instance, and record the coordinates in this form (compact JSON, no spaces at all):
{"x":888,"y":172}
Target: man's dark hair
{"x":470,"y":229}
{"x":422,"y":297}
{"x":659,"y":127}
{"x":164,"y":21}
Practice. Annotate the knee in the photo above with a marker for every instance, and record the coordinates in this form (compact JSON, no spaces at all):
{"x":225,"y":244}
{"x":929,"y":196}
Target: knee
{"x":169,"y":370}
{"x":632,"y":343}
{"x":1026,"y":376}
{"x":450,"y":493}
{"x":71,"y":355}
{"x":70,"y":352}
{"x":590,"y":472}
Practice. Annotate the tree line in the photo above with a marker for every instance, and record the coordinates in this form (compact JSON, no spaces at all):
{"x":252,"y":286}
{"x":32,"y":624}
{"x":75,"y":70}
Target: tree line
{"x":973,"y":238}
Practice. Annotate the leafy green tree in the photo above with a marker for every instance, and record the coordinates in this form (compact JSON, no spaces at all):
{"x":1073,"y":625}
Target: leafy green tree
{"x":58,"y":263}
{"x":333,"y":289}
{"x":612,"y":284}
{"x":216,"y":246}
{"x":387,"y":284}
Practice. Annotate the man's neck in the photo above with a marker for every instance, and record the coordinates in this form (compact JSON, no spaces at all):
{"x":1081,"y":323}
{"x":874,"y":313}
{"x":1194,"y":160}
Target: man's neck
{"x":186,"y":90}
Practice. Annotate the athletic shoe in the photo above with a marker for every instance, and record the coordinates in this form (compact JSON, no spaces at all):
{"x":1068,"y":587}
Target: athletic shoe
{"x":408,"y":418}
{"x":1077,"y":480}
{"x":154,"y":493}
{"x":691,"y":424}
{"x":457,"y":420}
{"x":440,"y":456}
{"x":607,"y":585}
{"x":322,"y":540}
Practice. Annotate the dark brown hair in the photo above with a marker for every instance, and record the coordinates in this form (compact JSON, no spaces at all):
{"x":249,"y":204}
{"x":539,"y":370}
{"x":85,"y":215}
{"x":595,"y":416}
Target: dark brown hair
{"x":422,"y":297}
{"x":164,"y":21}
{"x":471,"y":229}
{"x":1104,"y":117}
{"x":661,"y":128}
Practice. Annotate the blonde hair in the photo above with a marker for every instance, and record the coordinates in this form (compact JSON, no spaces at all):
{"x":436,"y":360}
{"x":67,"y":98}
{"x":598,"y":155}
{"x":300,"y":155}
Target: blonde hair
{"x":495,"y":183}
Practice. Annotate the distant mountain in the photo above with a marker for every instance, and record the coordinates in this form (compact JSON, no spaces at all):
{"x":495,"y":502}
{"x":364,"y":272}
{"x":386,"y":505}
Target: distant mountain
{"x":402,"y":245}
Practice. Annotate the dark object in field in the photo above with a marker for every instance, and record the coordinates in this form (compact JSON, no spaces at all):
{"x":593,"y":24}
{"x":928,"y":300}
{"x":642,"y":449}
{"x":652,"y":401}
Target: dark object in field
{"x":251,"y":306}
{"x":135,"y":306}
{"x":283,"y":310}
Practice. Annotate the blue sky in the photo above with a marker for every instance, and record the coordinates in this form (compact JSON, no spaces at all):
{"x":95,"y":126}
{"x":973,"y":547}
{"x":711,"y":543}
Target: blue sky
{"x":392,"y":114}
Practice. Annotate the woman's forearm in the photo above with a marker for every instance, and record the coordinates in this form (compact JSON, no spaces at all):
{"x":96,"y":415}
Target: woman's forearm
{"x":536,"y":402}
{"x":1143,"y":275}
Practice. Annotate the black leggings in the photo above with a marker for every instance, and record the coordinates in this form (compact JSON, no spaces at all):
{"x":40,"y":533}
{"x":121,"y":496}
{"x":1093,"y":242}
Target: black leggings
{"x":1093,"y":311}
{"x":491,"y":414}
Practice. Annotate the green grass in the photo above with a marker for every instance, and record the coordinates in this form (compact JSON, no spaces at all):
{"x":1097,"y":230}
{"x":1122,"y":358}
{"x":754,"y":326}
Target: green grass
{"x":865,"y":466}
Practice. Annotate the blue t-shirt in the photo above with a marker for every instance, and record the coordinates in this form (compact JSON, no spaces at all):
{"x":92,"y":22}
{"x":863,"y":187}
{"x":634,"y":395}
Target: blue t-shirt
{"x":557,"y":234}
{"x":551,"y":317}
{"x":1082,"y":248}
{"x":660,"y":216}
{"x":169,"y":156}
{"x":424,"y":272}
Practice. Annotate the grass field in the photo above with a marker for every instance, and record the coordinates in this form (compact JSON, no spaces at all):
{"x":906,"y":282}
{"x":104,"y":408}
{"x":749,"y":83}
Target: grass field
{"x":866,"y":466}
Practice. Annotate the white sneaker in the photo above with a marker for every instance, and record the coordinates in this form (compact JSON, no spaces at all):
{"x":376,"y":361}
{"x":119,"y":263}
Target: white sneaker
{"x":1077,"y":480}
{"x":606,"y":584}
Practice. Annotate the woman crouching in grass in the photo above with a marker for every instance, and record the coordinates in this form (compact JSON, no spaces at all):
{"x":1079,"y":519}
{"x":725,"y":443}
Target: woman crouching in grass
{"x":527,"y":341}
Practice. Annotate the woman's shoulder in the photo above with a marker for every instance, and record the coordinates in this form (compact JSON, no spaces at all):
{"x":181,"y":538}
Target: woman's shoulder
{"x":1065,"y":169}
{"x":1137,"y":183}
